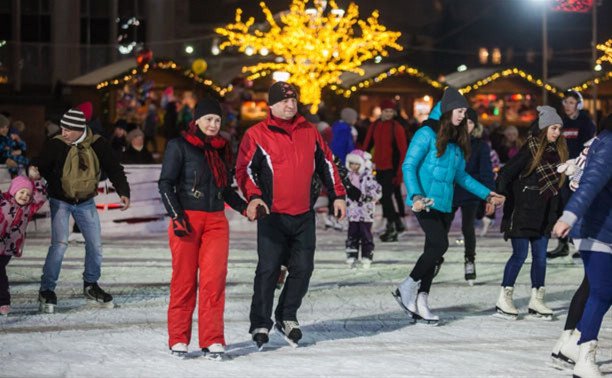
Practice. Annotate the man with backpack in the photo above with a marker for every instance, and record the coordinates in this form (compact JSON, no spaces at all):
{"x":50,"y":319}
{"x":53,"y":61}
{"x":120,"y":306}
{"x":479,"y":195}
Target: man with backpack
{"x":72,"y":163}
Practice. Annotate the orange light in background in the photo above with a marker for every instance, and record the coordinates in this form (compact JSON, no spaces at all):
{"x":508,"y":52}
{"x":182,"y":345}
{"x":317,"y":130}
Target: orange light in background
{"x":496,"y":56}
{"x":483,"y":55}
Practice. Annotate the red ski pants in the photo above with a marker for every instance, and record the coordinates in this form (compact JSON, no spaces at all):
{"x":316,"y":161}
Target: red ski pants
{"x":205,"y":248}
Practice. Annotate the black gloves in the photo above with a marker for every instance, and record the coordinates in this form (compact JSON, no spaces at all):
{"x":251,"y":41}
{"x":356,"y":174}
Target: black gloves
{"x":261,"y":212}
{"x":353,"y":193}
{"x":181,"y":226}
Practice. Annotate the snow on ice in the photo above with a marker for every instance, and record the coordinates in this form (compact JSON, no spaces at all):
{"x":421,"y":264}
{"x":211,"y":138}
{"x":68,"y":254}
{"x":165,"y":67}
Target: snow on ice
{"x":352,"y":325}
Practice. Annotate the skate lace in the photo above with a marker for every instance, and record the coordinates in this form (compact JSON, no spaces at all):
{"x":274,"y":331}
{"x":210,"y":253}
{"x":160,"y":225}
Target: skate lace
{"x":290,"y":325}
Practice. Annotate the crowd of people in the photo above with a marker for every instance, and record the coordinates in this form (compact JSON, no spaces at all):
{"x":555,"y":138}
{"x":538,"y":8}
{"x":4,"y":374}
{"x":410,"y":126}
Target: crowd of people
{"x":550,"y":184}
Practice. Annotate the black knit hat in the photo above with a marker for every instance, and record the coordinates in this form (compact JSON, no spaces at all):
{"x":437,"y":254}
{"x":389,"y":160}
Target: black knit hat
{"x":452,"y":99}
{"x":280,"y":91}
{"x":207,"y":106}
{"x":74,"y":119}
{"x":472,"y":115}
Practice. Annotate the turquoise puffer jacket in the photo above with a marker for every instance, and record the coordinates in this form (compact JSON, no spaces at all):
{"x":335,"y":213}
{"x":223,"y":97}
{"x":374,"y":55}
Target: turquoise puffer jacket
{"x":429,"y":176}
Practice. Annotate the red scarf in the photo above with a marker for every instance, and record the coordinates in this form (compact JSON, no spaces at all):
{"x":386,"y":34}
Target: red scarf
{"x":212,"y":146}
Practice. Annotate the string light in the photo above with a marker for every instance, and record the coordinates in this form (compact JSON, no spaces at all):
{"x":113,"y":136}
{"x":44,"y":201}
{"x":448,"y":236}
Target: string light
{"x":508,"y":73}
{"x":589,"y":83}
{"x":163,"y":65}
{"x":316,"y":46}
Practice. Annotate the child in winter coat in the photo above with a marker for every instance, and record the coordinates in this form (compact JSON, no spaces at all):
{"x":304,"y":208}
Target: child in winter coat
{"x":17,"y":207}
{"x":533,"y":185}
{"x":361,"y":211}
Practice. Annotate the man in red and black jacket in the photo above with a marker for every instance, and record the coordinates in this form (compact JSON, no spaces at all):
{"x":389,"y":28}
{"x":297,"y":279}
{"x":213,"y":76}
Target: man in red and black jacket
{"x":388,"y":138}
{"x":274,"y":169}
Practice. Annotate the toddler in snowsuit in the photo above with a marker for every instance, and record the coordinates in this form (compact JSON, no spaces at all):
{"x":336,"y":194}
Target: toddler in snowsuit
{"x":17,"y":207}
{"x":360,"y":212}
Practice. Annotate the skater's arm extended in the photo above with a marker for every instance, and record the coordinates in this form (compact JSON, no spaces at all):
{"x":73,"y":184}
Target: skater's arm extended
{"x":248,"y":166}
{"x":168,"y":179}
{"x":418,"y":149}
{"x":468,"y":183}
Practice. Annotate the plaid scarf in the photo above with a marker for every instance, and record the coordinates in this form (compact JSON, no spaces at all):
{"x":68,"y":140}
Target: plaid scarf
{"x":548,"y":177}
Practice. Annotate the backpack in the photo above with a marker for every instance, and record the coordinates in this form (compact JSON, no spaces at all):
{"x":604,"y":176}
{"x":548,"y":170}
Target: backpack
{"x":77,"y":182}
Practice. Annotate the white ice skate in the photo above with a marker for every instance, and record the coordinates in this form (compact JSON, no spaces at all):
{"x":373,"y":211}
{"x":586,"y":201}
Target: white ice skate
{"x":351,"y":261}
{"x":569,"y":352}
{"x":424,"y":314}
{"x":537,"y":308}
{"x":586,"y":367}
{"x":179,"y":350}
{"x":560,"y":361}
{"x":214,"y":352}
{"x":504,"y":306}
{"x":365,"y":263}
{"x":406,"y":294}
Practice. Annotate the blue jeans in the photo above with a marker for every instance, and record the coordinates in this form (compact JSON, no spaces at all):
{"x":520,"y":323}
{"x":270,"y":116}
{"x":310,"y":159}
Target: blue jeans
{"x":520,"y":247}
{"x":86,"y":216}
{"x":598,"y":266}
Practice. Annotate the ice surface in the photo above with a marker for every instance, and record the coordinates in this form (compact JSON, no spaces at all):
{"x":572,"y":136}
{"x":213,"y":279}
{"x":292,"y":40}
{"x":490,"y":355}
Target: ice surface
{"x":352,"y":325}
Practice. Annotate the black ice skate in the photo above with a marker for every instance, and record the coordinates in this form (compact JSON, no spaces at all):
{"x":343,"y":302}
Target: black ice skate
{"x":260,"y":336}
{"x":291,"y":331}
{"x":48,"y":301}
{"x":95,"y":295}
{"x":214,"y":352}
{"x":561,"y":250}
{"x":470,"y":272}
{"x":390,"y":234}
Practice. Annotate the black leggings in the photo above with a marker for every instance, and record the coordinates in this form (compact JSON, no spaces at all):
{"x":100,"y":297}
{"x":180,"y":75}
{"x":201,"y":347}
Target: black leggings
{"x":5,"y":296}
{"x":468,"y":216}
{"x":385,"y":179}
{"x":579,"y":300}
{"x":436,"y":226}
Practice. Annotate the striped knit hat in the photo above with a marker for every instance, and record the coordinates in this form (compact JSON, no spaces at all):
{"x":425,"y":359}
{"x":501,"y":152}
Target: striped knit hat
{"x":74,"y":119}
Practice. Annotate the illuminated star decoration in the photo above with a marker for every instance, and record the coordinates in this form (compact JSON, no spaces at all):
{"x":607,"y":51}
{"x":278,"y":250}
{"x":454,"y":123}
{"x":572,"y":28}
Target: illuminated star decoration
{"x":607,"y":49}
{"x":316,"y":46}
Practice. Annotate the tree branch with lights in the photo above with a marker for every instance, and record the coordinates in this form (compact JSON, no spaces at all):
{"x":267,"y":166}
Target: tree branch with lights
{"x":607,"y":50}
{"x":316,"y":46}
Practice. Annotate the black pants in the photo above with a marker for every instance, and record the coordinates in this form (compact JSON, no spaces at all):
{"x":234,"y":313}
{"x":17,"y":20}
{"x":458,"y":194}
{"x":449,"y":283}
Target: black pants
{"x":277,"y":235}
{"x":577,"y":305}
{"x":397,"y":194}
{"x":360,"y":233}
{"x":5,"y":296}
{"x":385,"y":179}
{"x":468,"y":216}
{"x":436,"y":226}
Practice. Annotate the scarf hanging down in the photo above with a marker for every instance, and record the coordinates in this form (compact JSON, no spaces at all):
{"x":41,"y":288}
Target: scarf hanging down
{"x":212,"y":147}
{"x":546,"y":170}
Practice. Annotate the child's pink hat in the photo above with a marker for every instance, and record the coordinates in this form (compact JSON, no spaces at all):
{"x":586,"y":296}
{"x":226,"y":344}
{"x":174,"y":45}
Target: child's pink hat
{"x":20,"y":182}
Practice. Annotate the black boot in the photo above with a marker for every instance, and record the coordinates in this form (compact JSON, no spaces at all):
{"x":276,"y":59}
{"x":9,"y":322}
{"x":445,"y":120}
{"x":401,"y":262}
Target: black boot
{"x":390,"y":234}
{"x":399,"y":225}
{"x":561,"y":250}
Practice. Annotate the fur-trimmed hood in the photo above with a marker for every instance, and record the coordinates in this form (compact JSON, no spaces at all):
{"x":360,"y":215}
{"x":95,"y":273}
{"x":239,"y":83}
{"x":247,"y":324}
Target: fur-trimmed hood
{"x":364,"y":159}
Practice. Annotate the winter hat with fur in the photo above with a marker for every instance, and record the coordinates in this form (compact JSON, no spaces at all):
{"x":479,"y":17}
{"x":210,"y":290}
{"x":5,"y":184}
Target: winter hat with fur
{"x":548,"y":116}
{"x":348,"y":115}
{"x":360,"y":157}
{"x":452,"y":99}
{"x":20,"y":182}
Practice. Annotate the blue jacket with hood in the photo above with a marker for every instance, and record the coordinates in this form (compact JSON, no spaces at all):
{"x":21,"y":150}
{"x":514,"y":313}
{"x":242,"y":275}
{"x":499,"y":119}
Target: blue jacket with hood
{"x":430,"y":176}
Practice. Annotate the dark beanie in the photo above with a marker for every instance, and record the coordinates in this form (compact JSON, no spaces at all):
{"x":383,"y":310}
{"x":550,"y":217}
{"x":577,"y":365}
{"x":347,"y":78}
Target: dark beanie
{"x":73,"y":119}
{"x":472,"y":115}
{"x":452,"y":99}
{"x":280,"y":91}
{"x":207,"y":106}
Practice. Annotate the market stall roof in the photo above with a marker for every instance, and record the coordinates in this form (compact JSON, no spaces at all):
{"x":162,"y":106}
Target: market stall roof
{"x":476,"y":78}
{"x":573,"y":79}
{"x":461,"y":79}
{"x":104,"y":73}
{"x":370,"y":70}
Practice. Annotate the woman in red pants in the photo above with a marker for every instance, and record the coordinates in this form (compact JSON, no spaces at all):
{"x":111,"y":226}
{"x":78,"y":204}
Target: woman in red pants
{"x":195,"y":185}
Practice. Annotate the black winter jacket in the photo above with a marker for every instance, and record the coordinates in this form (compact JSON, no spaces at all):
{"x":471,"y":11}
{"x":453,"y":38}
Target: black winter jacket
{"x":526,"y":213}
{"x":186,"y":182}
{"x":132,"y":156}
{"x":50,"y":163}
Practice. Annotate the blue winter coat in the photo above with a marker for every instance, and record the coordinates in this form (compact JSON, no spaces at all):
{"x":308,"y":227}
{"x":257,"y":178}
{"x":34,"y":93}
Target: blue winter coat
{"x":342,"y":140}
{"x":429,"y":176}
{"x":592,"y":202}
{"x":479,"y":167}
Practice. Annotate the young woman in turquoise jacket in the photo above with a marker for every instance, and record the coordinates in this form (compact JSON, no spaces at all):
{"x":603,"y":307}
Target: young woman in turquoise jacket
{"x":434,"y":163}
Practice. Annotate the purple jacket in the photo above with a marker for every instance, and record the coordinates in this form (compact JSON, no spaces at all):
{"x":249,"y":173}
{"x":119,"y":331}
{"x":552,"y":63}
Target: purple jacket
{"x":371,"y":191}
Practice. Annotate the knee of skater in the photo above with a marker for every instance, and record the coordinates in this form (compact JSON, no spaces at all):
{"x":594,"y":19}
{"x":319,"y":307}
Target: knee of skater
{"x":302,"y":270}
{"x":60,"y":244}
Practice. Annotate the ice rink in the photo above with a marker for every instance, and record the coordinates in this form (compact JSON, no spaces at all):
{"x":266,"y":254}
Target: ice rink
{"x":352,"y":325}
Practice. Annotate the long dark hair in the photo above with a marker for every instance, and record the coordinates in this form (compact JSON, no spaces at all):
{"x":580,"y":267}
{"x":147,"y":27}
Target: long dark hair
{"x":560,"y":145}
{"x":447,"y":132}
